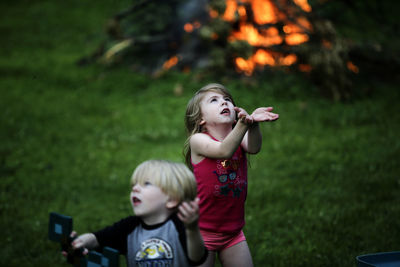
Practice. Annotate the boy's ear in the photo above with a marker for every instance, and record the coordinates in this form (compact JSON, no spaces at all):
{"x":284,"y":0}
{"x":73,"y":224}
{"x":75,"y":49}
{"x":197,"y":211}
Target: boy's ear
{"x":171,"y":203}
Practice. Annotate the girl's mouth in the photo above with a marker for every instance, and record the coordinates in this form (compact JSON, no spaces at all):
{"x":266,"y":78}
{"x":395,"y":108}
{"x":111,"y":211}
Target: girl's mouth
{"x":225,"y":111}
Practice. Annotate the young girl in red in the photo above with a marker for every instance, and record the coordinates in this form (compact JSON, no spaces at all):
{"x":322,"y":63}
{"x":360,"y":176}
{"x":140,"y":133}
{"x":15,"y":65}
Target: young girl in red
{"x":220,"y":135}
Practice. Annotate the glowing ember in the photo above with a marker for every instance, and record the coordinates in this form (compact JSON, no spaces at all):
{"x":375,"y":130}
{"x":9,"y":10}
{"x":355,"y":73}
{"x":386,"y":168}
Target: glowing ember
{"x":326,"y":44}
{"x":170,"y":62}
{"x":213,"y":14}
{"x":352,"y":67}
{"x":296,"y":38}
{"x":188,"y":27}
{"x":288,"y":60}
{"x":305,"y":67}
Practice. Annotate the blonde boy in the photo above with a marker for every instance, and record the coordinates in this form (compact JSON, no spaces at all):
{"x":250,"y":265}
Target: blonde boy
{"x":164,"y":230}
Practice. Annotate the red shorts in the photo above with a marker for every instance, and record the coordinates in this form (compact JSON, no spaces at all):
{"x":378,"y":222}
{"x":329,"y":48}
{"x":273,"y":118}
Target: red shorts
{"x":220,"y":241}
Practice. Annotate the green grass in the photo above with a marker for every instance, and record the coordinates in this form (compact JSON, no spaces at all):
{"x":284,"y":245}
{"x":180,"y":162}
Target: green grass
{"x":324,"y":188}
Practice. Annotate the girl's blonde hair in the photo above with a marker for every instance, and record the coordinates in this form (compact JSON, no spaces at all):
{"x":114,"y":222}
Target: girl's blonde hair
{"x":193,"y":115}
{"x":174,"y":179}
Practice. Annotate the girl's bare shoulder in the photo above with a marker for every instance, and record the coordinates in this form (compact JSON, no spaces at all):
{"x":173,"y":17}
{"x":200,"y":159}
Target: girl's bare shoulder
{"x":199,"y":137}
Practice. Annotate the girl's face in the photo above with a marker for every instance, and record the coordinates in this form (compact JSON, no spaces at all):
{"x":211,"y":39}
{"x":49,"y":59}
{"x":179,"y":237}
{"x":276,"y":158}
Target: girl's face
{"x":216,"y":109}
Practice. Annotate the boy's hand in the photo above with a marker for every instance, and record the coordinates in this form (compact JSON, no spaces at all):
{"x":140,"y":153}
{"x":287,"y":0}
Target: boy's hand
{"x":244,"y":116}
{"x":77,"y":246}
{"x":264,"y":114}
{"x":188,"y":213}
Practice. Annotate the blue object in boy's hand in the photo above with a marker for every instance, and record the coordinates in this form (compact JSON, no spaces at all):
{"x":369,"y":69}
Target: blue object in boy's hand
{"x":109,"y":258}
{"x":60,"y":228}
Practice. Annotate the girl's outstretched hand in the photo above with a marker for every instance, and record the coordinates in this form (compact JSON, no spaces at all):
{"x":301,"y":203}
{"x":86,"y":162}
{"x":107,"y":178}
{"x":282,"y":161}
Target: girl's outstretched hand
{"x":243,"y":116}
{"x":264,"y":114}
{"x":188,"y":213}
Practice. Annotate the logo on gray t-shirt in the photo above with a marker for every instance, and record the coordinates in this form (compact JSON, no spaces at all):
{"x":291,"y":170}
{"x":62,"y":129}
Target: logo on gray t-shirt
{"x":154,"y":252}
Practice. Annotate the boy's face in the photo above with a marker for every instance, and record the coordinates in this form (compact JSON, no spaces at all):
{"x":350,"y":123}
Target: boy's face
{"x":217,"y":108}
{"x":150,"y":203}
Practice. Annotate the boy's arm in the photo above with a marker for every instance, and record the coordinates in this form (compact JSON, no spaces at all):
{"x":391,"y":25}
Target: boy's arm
{"x":188,"y":213}
{"x":87,"y":240}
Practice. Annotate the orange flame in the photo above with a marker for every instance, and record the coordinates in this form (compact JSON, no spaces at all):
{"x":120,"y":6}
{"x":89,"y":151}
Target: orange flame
{"x":250,"y":34}
{"x":261,"y":57}
{"x":303,"y":4}
{"x":264,"y":12}
{"x":231,"y":7}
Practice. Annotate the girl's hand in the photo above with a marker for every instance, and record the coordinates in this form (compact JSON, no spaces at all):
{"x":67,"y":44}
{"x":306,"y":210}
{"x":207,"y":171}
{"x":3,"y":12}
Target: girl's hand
{"x":188,"y":213}
{"x":244,"y":116}
{"x":264,"y":114}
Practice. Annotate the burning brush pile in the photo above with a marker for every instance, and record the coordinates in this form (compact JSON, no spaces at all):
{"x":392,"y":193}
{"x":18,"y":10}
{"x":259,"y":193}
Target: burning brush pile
{"x":229,"y":36}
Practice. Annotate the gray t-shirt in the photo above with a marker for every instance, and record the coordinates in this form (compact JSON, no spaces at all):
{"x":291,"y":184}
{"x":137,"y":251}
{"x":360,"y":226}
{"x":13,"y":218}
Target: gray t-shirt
{"x":163,"y":244}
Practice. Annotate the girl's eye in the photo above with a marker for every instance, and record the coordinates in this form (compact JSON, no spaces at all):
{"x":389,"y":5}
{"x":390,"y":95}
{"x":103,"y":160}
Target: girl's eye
{"x":147,"y":183}
{"x":213,"y":99}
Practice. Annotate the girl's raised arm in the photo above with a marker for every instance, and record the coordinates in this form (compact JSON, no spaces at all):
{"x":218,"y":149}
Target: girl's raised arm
{"x":252,"y":141}
{"x":202,"y":145}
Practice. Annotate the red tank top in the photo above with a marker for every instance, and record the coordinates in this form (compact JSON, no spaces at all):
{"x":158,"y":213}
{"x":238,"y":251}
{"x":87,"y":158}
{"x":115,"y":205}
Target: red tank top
{"x":222,"y":189}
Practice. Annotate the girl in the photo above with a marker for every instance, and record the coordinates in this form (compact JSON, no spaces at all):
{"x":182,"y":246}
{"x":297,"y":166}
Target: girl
{"x":216,"y":152}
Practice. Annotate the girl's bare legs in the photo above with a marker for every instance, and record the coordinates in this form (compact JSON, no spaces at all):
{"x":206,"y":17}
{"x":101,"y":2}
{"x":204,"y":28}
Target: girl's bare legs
{"x":210,"y":260}
{"x":236,"y":256}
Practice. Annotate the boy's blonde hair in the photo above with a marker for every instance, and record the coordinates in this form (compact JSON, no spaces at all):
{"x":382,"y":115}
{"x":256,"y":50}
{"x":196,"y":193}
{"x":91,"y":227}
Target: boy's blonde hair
{"x":174,"y":179}
{"x":193,"y":114}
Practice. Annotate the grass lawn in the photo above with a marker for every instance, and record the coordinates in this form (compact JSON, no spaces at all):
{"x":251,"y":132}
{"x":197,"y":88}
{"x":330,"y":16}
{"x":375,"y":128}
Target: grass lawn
{"x":324,"y":189}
